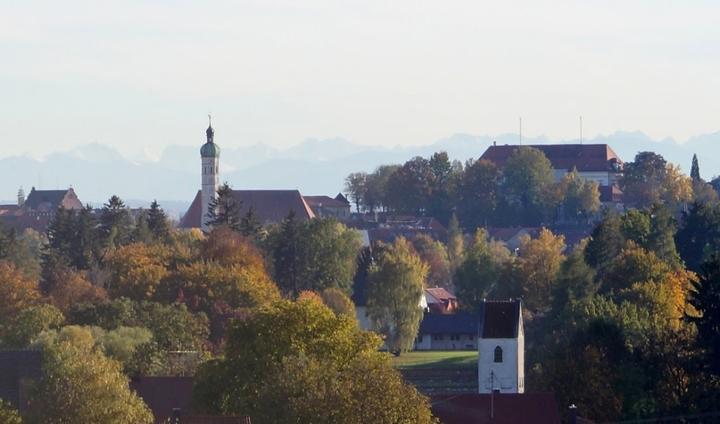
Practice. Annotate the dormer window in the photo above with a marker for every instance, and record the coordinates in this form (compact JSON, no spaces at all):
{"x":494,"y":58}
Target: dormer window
{"x":498,"y":354}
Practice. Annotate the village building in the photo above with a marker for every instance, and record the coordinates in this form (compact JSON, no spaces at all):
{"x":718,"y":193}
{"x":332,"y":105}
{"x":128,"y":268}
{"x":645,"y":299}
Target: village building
{"x":37,"y":210}
{"x":269,"y":206}
{"x":593,"y":162}
{"x":328,"y":207}
{"x":439,"y":301}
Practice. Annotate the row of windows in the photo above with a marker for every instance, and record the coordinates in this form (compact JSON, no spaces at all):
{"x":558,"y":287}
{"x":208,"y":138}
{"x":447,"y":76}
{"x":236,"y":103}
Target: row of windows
{"x":208,"y":170}
{"x":457,"y":337}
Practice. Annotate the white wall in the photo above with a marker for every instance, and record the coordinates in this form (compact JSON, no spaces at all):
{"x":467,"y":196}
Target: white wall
{"x":210,"y":185}
{"x":363,"y":320}
{"x":508,"y":375}
{"x":602,"y":178}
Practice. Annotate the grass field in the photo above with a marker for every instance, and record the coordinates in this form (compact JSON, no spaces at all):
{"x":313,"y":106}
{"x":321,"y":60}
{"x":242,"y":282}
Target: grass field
{"x":436,"y":359}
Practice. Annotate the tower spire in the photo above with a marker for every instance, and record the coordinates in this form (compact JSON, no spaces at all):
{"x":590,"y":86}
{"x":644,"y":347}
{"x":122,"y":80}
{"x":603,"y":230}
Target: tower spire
{"x":210,"y":133}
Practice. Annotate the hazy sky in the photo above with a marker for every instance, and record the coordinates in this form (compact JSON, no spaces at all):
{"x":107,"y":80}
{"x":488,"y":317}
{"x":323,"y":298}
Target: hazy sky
{"x":139,"y":75}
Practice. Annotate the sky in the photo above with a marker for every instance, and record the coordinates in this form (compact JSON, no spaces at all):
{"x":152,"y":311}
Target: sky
{"x":141,"y":75}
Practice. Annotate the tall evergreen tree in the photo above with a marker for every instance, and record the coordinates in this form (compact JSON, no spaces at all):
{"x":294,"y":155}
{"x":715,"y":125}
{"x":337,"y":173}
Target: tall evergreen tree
{"x":250,"y":224}
{"x":695,"y":169}
{"x":286,"y":255}
{"x":224,"y":209}
{"x":157,"y":222}
{"x":115,"y":225}
{"x":705,"y":298}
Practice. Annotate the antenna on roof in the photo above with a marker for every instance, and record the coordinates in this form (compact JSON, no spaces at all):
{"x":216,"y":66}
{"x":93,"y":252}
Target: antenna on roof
{"x":520,"y":118}
{"x":580,"y":129}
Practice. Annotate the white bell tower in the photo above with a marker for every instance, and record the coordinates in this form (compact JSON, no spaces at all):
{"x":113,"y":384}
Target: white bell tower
{"x":210,"y":157}
{"x":501,"y":347}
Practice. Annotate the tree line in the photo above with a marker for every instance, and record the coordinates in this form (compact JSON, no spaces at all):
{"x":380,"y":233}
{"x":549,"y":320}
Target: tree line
{"x":523,"y":192}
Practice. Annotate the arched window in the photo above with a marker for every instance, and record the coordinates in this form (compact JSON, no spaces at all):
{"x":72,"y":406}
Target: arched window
{"x":498,"y":354}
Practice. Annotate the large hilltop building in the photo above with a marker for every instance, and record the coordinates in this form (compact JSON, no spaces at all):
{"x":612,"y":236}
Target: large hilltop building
{"x":595,"y":162}
{"x":37,"y":210}
{"x":270,"y":206}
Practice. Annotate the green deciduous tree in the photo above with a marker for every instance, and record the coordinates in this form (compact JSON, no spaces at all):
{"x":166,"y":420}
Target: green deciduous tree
{"x":478,"y":274}
{"x":80,"y":385}
{"x":527,"y":176}
{"x":19,"y":331}
{"x":297,"y":362}
{"x":395,"y":285}
{"x":478,"y":193}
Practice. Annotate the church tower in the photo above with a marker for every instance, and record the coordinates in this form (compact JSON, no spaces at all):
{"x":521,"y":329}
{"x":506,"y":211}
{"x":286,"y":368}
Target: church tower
{"x":210,"y":157}
{"x":501,"y":347}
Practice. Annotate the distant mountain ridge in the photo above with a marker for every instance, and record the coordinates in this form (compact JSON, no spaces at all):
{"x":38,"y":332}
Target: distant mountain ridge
{"x":315,"y":166}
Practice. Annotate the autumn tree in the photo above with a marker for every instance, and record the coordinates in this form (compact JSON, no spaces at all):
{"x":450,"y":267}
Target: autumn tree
{"x":297,"y":362}
{"x":538,"y":263}
{"x":455,"y":243}
{"x":80,"y":385}
{"x":136,"y":270}
{"x":395,"y":285}
{"x":17,"y":292}
{"x":67,"y":287}
{"x":19,"y":331}
{"x":8,"y":414}
{"x":435,"y":255}
{"x":376,"y":187}
{"x":338,"y":301}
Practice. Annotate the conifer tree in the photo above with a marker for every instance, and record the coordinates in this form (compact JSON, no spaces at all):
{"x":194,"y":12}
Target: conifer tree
{"x":706,"y":299}
{"x":115,"y":223}
{"x":286,"y":255}
{"x":250,"y":224}
{"x":695,"y":169}
{"x":224,"y":209}
{"x":157,"y":222}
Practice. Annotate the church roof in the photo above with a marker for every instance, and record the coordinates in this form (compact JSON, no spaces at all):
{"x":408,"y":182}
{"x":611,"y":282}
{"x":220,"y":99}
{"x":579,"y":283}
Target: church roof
{"x":500,"y":319}
{"x":50,"y":200}
{"x":270,"y":206}
{"x":584,"y":157}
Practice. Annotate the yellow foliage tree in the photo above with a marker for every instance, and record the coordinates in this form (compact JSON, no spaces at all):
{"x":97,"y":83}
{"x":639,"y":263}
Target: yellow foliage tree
{"x":17,"y":292}
{"x":538,"y":265}
{"x":136,"y":270}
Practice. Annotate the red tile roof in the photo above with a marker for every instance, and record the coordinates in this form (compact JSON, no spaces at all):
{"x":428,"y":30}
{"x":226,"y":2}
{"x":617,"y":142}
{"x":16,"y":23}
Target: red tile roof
{"x":584,"y":157}
{"x":440,"y":294}
{"x":271,"y":206}
{"x":536,"y":408}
